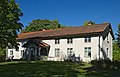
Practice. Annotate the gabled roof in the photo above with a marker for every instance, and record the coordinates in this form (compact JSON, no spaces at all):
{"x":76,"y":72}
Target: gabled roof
{"x":81,"y":30}
{"x":37,"y":42}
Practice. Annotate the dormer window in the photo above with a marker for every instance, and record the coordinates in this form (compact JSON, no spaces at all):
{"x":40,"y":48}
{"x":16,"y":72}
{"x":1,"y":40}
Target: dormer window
{"x":70,"y":40}
{"x":87,"y":39}
{"x":57,"y":41}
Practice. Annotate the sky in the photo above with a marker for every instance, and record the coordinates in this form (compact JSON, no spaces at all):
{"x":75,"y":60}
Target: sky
{"x":71,"y":12}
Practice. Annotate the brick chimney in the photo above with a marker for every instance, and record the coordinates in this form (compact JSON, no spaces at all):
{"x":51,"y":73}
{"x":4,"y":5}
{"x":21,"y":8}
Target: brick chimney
{"x":90,"y":23}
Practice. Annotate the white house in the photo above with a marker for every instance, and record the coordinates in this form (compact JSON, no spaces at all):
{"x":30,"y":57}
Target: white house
{"x":84,"y":43}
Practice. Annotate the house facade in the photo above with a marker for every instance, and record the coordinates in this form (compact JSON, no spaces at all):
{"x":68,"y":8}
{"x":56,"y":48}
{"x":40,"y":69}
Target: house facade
{"x":84,"y":43}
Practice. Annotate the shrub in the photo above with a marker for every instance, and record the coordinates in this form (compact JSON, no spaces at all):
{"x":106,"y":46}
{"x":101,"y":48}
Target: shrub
{"x":2,"y":58}
{"x":106,"y":64}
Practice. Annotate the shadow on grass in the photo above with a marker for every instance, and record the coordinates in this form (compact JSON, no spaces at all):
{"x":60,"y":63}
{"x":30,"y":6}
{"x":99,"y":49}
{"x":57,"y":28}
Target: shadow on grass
{"x":103,"y":69}
{"x":53,"y":69}
{"x":91,"y":72}
{"x":39,"y":69}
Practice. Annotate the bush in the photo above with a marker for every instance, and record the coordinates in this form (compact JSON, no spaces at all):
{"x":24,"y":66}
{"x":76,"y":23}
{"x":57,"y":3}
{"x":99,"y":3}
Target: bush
{"x":106,"y":64}
{"x":2,"y":58}
{"x":116,"y":51}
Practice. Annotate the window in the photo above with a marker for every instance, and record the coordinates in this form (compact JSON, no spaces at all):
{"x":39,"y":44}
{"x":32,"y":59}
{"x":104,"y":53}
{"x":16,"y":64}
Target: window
{"x":57,"y":41}
{"x":11,"y":52}
{"x":69,"y":51}
{"x":57,"y":52}
{"x":70,"y":40}
{"x":87,"y":52}
{"x":87,"y":39}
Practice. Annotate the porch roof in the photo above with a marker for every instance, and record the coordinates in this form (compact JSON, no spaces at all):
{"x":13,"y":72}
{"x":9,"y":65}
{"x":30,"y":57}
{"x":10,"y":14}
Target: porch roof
{"x":37,"y":42}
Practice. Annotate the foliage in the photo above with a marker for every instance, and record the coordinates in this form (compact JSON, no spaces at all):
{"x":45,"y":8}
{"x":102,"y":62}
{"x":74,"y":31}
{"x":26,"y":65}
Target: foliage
{"x":116,"y":51}
{"x":9,"y":22}
{"x":116,"y":46}
{"x":87,"y":22}
{"x":118,"y":34}
{"x":2,"y":54}
{"x":38,"y":25}
{"x":106,"y":64}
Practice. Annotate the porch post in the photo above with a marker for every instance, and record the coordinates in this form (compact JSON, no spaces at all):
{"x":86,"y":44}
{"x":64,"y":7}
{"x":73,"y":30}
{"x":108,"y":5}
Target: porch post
{"x":39,"y":50}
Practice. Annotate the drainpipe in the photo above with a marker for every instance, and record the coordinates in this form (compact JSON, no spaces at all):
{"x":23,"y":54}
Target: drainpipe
{"x":99,"y":47}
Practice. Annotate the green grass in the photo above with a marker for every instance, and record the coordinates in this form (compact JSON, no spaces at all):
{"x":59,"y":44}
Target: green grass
{"x":52,"y":69}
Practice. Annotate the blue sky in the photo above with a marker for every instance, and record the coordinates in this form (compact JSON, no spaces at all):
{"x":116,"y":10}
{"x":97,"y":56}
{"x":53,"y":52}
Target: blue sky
{"x":71,"y":12}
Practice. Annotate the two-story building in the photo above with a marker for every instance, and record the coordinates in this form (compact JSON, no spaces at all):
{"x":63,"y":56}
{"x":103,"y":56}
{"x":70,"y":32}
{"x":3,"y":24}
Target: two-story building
{"x":84,"y":43}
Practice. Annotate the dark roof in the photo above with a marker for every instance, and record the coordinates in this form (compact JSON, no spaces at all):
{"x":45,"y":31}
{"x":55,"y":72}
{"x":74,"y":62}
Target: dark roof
{"x":81,"y":30}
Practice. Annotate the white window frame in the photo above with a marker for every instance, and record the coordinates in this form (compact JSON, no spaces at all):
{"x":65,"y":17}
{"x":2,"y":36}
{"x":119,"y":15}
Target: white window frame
{"x":87,"y":52}
{"x":57,"y":52}
{"x":69,"y":40}
{"x":70,"y":52}
{"x":87,"y":39}
{"x":57,"y":41}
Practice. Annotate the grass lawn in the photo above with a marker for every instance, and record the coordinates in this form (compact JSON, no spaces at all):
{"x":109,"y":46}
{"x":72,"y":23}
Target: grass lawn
{"x":52,"y":69}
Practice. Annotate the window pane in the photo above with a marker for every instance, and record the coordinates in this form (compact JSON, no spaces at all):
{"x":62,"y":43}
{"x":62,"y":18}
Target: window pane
{"x":89,"y":51}
{"x":89,"y":39}
{"x":57,"y":41}
{"x":67,"y":40}
{"x":85,"y":39}
{"x":70,"y":40}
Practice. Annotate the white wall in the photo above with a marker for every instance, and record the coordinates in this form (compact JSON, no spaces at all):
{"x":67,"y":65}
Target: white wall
{"x":107,"y":43}
{"x":16,"y":53}
{"x":77,"y":45}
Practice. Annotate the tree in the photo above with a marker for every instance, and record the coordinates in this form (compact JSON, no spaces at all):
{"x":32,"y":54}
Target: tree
{"x":10,"y":14}
{"x":116,"y":51}
{"x":118,"y":36}
{"x":88,"y":22}
{"x":116,"y":46}
{"x":39,"y":25}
